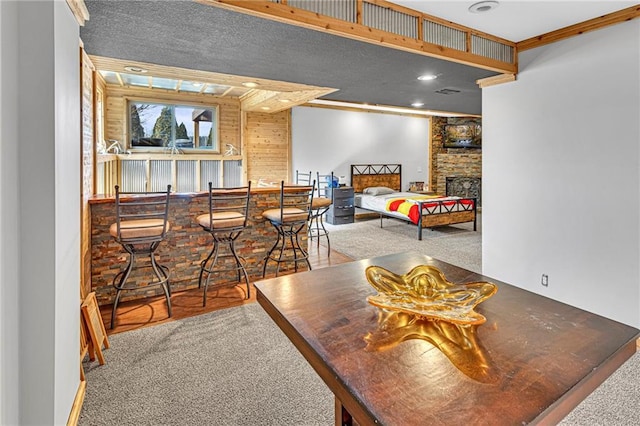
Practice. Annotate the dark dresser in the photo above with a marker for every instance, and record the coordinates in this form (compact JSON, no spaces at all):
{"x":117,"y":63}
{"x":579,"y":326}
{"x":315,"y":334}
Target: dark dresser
{"x":342,"y":209}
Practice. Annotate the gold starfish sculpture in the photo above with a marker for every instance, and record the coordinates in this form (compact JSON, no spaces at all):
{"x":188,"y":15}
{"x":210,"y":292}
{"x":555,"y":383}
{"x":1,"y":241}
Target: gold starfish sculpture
{"x":425,"y":292}
{"x":423,"y":305}
{"x":457,"y":342}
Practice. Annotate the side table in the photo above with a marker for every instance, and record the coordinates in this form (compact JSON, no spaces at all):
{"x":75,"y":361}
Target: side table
{"x":342,"y":209}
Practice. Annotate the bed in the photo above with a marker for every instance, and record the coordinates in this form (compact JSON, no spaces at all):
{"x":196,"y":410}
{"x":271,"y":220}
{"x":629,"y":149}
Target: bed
{"x":378,"y":189}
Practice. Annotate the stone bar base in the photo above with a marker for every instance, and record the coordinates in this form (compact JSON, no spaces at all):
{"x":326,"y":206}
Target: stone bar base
{"x":185,"y":247}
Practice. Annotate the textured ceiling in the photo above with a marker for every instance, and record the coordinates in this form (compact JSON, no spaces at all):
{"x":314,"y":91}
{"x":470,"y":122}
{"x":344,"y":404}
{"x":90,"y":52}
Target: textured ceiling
{"x":190,"y":35}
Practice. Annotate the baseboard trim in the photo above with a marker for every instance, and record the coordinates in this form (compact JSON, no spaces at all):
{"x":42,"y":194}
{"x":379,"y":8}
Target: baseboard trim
{"x":74,"y":416}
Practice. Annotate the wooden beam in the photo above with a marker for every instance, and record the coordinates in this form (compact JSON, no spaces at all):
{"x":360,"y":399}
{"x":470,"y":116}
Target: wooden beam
{"x":294,"y":16}
{"x":271,"y":102}
{"x":161,"y":71}
{"x":383,"y":109}
{"x":496,"y":79}
{"x":580,"y":28}
{"x":226,"y":92}
{"x":79,"y":10}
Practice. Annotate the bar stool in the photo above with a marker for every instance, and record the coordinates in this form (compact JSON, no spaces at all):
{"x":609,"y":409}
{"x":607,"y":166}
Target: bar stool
{"x":289,"y":219}
{"x":303,"y":178}
{"x":225,"y":221}
{"x":322,"y":200}
{"x":141,"y":225}
{"x":321,"y":204}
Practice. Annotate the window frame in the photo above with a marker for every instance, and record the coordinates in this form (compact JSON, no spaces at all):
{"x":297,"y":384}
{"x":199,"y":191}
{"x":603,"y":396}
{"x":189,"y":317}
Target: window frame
{"x":173,"y":103}
{"x":99,"y":117}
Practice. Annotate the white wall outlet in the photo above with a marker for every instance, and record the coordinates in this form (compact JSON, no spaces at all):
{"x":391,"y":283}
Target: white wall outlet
{"x":545,"y":280}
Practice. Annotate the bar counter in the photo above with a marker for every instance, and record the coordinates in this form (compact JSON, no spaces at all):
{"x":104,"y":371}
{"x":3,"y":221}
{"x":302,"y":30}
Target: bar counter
{"x":185,"y":247}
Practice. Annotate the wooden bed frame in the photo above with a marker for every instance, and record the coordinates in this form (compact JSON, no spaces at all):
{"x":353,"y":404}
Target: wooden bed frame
{"x":390,"y":175}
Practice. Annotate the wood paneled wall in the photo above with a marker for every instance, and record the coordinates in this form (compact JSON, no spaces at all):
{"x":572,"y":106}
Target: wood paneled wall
{"x":87,"y":170}
{"x":267,"y":141}
{"x":264,"y":140}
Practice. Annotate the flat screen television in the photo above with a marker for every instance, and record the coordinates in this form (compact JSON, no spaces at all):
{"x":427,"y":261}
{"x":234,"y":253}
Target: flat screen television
{"x":464,"y":135}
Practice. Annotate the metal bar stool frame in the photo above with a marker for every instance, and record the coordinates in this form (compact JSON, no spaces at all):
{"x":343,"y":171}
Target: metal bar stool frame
{"x":289,"y":219}
{"x":321,"y":204}
{"x":225,"y":221}
{"x":141,"y":225}
{"x":319,"y":207}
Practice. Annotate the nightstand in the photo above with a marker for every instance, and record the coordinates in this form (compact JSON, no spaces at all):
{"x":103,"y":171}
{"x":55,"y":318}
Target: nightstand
{"x":342,"y":208}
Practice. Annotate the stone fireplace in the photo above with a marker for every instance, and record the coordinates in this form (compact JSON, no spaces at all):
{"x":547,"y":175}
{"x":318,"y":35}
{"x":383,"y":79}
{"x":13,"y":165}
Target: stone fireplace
{"x":452,"y":162}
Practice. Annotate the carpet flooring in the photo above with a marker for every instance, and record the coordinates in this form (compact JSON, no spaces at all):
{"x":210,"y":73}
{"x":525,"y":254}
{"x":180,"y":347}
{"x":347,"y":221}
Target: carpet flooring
{"x":229,"y":367}
{"x":458,"y":244}
{"x":235,"y":366}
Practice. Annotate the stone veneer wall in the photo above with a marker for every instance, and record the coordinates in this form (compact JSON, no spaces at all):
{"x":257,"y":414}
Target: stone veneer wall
{"x":446,"y":162}
{"x":185,"y":247}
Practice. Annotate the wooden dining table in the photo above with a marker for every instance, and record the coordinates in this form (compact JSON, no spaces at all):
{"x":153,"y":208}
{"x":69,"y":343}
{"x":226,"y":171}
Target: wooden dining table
{"x":531,"y":362}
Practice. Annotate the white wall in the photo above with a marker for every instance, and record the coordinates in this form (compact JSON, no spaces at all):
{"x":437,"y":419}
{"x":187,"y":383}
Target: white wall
{"x":9,"y":284}
{"x":561,"y":187}
{"x":40,"y":181}
{"x":67,"y":106}
{"x":326,"y":140}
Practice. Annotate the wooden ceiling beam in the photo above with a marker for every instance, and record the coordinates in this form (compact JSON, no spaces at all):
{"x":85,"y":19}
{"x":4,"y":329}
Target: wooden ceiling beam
{"x":162,"y":71}
{"x":355,"y":30}
{"x":270,"y":96}
{"x":79,"y":10}
{"x":496,"y":79}
{"x":623,"y":15}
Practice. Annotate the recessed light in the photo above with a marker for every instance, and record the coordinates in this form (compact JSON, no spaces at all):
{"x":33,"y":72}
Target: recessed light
{"x":285,"y":101}
{"x":417,"y":104}
{"x":483,"y":6}
{"x":138,"y":70}
{"x":265,"y":108}
{"x":427,"y":77}
{"x":250,"y":84}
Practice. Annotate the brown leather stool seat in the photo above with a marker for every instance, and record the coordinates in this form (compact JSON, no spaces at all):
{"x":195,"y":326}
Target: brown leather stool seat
{"x":320,"y":203}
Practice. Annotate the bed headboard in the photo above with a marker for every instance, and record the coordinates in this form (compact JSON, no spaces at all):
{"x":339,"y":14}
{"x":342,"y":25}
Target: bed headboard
{"x":365,"y":175}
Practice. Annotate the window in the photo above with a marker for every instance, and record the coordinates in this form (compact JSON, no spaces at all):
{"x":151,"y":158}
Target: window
{"x":174,"y":127}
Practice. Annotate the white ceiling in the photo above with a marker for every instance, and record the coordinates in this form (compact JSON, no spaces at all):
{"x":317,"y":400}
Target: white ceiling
{"x":517,"y":20}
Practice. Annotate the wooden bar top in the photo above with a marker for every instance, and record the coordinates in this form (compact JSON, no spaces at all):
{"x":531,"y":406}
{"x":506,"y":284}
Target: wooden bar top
{"x":102,"y":198}
{"x":532,"y":361}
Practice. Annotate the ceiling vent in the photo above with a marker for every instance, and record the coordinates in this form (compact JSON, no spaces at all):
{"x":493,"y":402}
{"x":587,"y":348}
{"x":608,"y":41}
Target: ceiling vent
{"x":447,"y":91}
